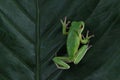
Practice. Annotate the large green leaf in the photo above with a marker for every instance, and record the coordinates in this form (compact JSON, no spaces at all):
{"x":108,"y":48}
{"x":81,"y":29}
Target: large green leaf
{"x":17,"y":39}
{"x":17,"y":28}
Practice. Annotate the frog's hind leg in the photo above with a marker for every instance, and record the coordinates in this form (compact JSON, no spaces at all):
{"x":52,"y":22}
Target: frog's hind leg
{"x":80,"y":54}
{"x":61,"y":62}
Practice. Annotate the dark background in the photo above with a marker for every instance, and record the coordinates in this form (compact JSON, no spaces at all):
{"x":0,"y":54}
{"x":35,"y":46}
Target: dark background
{"x":17,"y":39}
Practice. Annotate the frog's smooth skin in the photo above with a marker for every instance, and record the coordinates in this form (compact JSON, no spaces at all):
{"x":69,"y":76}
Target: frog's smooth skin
{"x":74,"y":39}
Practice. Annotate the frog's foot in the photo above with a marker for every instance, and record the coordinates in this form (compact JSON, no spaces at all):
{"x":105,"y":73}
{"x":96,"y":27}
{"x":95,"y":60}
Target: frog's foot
{"x":87,"y":35}
{"x":62,"y":67}
{"x":65,"y":25}
{"x":86,"y":39}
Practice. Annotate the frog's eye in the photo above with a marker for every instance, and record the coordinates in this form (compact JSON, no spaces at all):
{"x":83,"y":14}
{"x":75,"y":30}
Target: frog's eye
{"x":81,"y":26}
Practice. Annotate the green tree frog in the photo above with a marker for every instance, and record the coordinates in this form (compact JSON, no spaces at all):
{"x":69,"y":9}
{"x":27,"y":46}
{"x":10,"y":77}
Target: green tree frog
{"x":74,"y":39}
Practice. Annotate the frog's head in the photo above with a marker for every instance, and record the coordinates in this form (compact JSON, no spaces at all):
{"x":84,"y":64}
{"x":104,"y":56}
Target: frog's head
{"x":78,"y":25}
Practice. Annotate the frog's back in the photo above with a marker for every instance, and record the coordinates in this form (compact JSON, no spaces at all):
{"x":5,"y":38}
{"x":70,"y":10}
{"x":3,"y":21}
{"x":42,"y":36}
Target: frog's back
{"x":73,"y":42}
{"x":73,"y":39}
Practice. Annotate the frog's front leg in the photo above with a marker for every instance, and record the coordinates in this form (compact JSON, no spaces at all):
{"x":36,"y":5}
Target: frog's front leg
{"x":86,"y":39}
{"x":80,"y":54}
{"x":65,"y":26}
{"x":61,"y":62}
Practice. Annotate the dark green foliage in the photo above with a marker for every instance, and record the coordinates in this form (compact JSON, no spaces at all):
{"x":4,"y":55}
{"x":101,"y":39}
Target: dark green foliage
{"x":17,"y":39}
